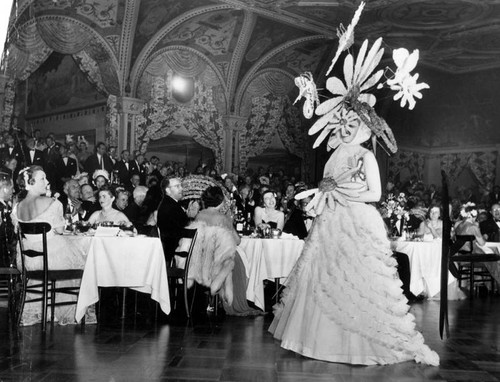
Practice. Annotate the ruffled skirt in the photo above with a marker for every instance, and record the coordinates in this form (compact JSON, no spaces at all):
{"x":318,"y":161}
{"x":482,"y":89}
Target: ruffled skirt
{"x":343,"y":301}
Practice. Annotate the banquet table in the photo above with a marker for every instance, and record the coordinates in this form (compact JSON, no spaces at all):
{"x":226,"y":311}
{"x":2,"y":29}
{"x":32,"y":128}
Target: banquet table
{"x":134,"y":262}
{"x":267,"y":259}
{"x":493,"y":267}
{"x":425,"y":265}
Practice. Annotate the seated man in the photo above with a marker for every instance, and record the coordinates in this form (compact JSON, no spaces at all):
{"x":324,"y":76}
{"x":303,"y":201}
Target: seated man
{"x":136,"y":211}
{"x":89,"y":201}
{"x":71,"y":200}
{"x":299,"y":222}
{"x":490,"y":227}
{"x":171,"y":218}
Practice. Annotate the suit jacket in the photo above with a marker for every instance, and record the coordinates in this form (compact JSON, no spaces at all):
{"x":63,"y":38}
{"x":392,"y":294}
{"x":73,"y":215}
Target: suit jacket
{"x":92,"y":164}
{"x":296,"y":225}
{"x":490,"y":228}
{"x":123,"y":173}
{"x":65,"y":171}
{"x":7,"y":237}
{"x":38,"y":158}
{"x":16,"y":153}
{"x":81,"y":215}
{"x":89,"y":209}
{"x":171,"y":221}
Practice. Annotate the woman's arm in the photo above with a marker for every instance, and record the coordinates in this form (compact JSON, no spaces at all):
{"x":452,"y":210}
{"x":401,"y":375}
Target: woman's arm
{"x":281,"y":220}
{"x":421,"y":229}
{"x":479,"y":238}
{"x":257,"y":216}
{"x":374,"y":191}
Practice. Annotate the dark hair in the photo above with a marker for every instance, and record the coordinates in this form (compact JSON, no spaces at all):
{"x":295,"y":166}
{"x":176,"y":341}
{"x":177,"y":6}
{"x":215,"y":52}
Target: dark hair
{"x":5,"y":179}
{"x":266,"y":191}
{"x":108,"y":189}
{"x":212,"y":197}
{"x":166,"y":182}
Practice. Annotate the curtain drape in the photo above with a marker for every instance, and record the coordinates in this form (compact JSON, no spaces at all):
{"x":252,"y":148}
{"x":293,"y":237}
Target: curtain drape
{"x":265,"y":117}
{"x":413,"y":161}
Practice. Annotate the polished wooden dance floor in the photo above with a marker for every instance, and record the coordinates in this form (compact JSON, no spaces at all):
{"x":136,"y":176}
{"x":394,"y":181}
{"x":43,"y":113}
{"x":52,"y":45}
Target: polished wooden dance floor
{"x":238,"y":349}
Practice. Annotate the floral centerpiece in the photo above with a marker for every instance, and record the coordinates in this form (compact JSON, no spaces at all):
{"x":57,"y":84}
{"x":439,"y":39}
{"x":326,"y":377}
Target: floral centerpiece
{"x":395,"y":213}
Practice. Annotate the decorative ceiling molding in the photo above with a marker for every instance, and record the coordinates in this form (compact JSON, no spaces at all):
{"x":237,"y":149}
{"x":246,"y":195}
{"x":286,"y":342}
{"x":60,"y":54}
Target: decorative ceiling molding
{"x":127,"y":38}
{"x":255,"y":68}
{"x":283,"y":16}
{"x":149,"y":48}
{"x":239,"y":53}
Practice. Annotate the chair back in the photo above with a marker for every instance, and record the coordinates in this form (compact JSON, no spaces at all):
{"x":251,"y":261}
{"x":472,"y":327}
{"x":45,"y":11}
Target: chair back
{"x":460,"y":241}
{"x":39,"y":228}
{"x":188,"y":233}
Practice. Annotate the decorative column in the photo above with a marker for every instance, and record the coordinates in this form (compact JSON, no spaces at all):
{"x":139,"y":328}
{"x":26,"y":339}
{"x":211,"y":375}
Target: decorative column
{"x":234,"y":125}
{"x":128,"y":108}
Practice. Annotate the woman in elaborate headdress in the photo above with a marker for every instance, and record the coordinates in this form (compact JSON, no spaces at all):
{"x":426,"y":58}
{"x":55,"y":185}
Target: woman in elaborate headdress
{"x":343,"y":301}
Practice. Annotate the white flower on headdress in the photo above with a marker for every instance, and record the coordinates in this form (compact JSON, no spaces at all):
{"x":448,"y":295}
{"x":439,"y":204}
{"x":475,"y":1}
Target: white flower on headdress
{"x":343,"y":124}
{"x":307,"y":89}
{"x":472,"y":210}
{"x":403,"y":82}
{"x":357,"y":81}
{"x":346,"y":36}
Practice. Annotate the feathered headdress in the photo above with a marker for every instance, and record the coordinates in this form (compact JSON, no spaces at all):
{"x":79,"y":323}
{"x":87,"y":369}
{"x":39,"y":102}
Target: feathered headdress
{"x":352,"y":103}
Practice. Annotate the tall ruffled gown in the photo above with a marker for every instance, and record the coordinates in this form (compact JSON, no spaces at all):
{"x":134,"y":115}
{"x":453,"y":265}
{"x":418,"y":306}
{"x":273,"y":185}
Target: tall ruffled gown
{"x":62,"y":254}
{"x":343,"y":301}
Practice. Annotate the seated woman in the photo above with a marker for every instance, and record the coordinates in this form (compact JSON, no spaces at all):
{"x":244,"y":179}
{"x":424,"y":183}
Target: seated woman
{"x":432,"y":227}
{"x":469,"y":226}
{"x":212,"y":217}
{"x":268,"y":215}
{"x":107,"y":213}
{"x":33,"y":206}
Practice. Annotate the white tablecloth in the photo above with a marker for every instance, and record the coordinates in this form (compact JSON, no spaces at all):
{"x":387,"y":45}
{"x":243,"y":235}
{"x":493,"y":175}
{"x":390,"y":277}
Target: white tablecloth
{"x":425,"y":265}
{"x":134,"y":262}
{"x":492,"y":267}
{"x":267,"y":259}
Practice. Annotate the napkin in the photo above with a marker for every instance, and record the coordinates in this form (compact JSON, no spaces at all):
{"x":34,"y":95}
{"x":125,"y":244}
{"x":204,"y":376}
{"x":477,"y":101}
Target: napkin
{"x":286,"y":235}
{"x":107,"y":231}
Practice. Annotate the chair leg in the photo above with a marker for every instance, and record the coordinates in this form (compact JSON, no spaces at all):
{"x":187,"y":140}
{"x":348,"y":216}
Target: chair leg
{"x":186,"y":303}
{"x":471,"y":280}
{"x":52,"y":300}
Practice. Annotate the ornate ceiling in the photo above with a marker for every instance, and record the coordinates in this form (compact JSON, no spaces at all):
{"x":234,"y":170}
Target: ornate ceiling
{"x":242,"y":38}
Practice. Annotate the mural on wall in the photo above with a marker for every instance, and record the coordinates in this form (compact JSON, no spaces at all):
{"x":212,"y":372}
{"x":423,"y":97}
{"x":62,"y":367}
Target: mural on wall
{"x":59,"y":85}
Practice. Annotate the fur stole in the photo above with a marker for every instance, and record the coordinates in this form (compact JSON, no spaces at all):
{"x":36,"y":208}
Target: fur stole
{"x":212,"y":260}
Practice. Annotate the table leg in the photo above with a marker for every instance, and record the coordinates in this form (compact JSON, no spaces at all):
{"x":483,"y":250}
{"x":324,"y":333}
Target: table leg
{"x":124,"y":297}
{"x":277,"y":294}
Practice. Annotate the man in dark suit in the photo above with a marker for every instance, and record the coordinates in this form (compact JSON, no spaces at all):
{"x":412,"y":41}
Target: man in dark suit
{"x":7,"y":233}
{"x":89,"y":202}
{"x":50,"y":157}
{"x":72,"y":202}
{"x":490,"y":227}
{"x":494,"y":196}
{"x":66,"y":167}
{"x":172,"y":219}
{"x":99,"y":161}
{"x":33,"y":156}
{"x":299,"y":222}
{"x":12,"y":151}
{"x":122,"y":168}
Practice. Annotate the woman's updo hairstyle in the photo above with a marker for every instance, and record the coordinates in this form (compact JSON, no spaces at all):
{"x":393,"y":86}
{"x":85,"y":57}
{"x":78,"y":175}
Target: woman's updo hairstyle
{"x":212,"y":197}
{"x":25,"y":179}
{"x":107,"y":188}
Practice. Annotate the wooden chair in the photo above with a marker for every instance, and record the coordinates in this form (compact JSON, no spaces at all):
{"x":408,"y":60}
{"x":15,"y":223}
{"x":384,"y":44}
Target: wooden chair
{"x":176,"y":274}
{"x":470,"y":264}
{"x":47,"y":287}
